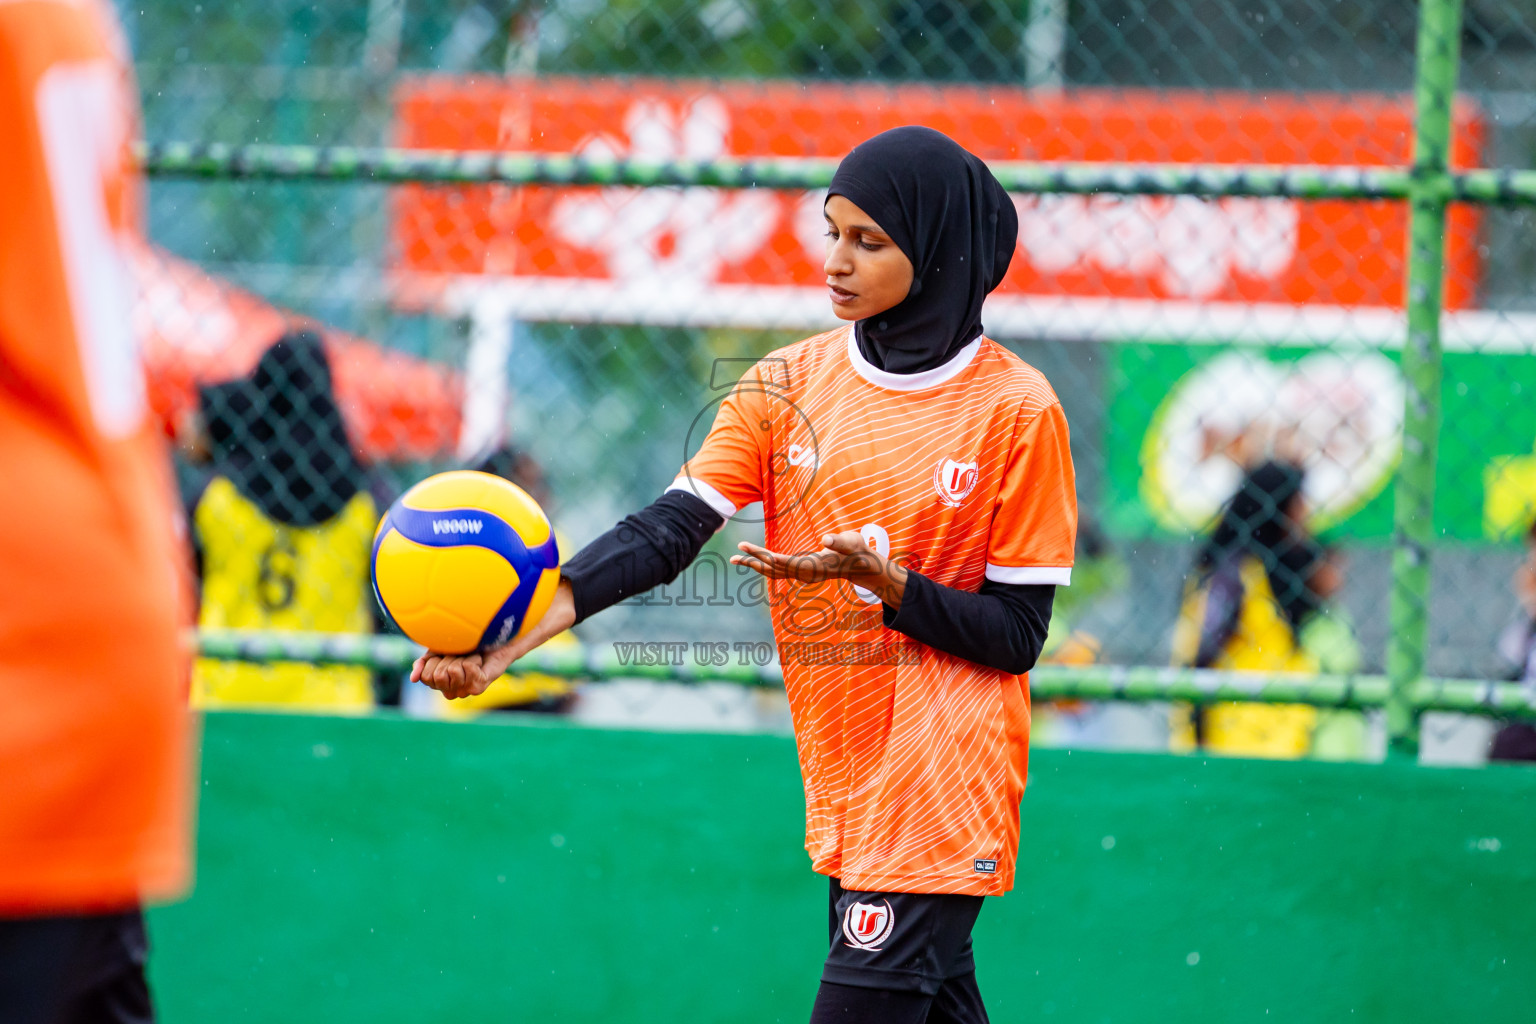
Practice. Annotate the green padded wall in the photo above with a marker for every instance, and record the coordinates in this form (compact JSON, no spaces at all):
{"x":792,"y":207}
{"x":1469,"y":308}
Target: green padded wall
{"x":387,"y":870}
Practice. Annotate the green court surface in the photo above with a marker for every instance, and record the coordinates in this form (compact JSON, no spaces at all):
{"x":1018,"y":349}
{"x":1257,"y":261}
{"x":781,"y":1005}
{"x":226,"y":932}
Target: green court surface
{"x":387,"y":870}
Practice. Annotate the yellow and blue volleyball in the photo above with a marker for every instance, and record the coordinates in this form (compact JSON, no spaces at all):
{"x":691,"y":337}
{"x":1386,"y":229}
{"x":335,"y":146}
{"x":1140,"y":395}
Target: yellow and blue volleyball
{"x":464,"y":561}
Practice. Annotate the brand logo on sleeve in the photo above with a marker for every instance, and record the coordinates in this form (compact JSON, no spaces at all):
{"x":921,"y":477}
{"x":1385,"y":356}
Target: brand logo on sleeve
{"x":867,"y":925}
{"x":986,"y":867}
{"x":954,"y":480}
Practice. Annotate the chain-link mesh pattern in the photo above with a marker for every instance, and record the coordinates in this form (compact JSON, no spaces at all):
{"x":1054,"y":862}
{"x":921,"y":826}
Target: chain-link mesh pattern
{"x":1189,"y":339}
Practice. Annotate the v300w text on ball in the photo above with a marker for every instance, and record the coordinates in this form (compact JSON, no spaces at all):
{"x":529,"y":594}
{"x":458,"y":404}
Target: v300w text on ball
{"x":464,"y":561}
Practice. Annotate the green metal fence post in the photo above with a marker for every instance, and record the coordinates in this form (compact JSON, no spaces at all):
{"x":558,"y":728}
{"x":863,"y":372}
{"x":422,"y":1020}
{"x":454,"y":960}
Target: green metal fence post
{"x":1439,"y":51}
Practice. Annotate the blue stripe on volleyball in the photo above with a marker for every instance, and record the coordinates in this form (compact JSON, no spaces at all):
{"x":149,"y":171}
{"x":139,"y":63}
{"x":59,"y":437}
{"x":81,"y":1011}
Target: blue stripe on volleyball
{"x":380,"y":598}
{"x":506,"y":622}
{"x":459,"y":527}
{"x":378,"y":538}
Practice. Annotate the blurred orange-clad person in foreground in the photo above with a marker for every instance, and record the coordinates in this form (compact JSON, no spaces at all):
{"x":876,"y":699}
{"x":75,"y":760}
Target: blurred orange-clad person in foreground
{"x":95,"y":740}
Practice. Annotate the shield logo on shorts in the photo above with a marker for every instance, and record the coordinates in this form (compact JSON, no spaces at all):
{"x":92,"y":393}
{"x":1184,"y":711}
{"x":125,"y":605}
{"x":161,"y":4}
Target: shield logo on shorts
{"x":954,"y":480}
{"x":867,"y":925}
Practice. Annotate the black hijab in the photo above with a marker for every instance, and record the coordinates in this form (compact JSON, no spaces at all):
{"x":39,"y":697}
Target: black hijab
{"x":1256,"y":522}
{"x":948,"y":214}
{"x":279,"y":437}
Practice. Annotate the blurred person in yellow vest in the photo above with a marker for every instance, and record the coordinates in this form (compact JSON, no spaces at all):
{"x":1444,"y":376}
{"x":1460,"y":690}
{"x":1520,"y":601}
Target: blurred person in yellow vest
{"x":514,"y":691}
{"x":1243,"y":607}
{"x":282,"y":530}
{"x":1099,"y":574}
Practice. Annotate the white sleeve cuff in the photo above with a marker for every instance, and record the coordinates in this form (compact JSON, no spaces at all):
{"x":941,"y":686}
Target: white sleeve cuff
{"x":1061,"y":576}
{"x":703,"y":491}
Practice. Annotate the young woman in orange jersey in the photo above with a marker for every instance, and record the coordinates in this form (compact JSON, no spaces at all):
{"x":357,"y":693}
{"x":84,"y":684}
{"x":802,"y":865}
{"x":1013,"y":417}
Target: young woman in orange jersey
{"x":96,"y":770}
{"x":919,"y":510}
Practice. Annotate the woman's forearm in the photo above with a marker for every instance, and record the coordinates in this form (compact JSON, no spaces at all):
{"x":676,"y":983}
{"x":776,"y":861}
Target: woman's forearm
{"x":1003,"y":626}
{"x":890,"y":585}
{"x":642,"y":551}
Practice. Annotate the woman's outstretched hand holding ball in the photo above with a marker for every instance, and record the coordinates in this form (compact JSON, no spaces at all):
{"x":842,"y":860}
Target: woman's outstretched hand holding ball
{"x":467,"y":675}
{"x":845,"y":556}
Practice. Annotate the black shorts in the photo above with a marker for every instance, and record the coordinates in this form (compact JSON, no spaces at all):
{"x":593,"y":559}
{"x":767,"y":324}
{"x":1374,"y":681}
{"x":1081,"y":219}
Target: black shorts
{"x":79,"y":969}
{"x":899,"y":941}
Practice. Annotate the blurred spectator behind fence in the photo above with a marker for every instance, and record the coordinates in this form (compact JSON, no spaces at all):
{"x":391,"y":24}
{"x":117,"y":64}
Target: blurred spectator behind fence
{"x":95,"y":740}
{"x":1328,"y":637}
{"x":282,"y":529}
{"x":1099,"y":575}
{"x":1517,"y":646}
{"x":515,"y":691}
{"x":1243,"y":610}
{"x":1078,"y":619}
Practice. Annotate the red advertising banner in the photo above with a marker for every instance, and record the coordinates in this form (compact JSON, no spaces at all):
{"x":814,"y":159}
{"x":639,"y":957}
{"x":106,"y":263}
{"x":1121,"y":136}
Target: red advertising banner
{"x":664,"y":248}
{"x":197,"y":329}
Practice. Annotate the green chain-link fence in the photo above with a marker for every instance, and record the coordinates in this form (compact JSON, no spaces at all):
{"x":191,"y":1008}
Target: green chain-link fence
{"x":542,"y":226}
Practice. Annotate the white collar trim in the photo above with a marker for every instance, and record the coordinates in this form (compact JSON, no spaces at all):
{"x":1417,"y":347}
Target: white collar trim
{"x":940,"y":374}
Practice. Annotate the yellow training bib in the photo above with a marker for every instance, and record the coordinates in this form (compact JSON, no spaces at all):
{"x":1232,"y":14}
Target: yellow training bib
{"x":262,"y":574}
{"x":1262,"y":642}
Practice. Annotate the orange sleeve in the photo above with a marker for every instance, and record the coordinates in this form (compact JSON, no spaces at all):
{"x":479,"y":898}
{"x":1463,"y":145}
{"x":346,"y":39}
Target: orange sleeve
{"x":1034,"y":524}
{"x":728,"y":470}
{"x":95,"y":749}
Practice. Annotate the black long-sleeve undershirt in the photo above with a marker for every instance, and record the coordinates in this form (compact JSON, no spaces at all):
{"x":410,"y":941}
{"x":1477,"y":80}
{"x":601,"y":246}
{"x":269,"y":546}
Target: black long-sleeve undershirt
{"x":644,"y":550}
{"x":1003,"y":626}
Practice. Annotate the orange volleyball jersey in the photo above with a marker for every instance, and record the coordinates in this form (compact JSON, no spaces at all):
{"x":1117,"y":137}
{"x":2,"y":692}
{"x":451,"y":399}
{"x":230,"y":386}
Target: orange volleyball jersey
{"x":94,"y":732}
{"x":914,"y":760}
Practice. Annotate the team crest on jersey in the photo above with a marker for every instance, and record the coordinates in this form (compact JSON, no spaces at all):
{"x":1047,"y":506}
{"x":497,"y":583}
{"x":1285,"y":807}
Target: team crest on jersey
{"x":954,"y":480}
{"x":866,"y":925}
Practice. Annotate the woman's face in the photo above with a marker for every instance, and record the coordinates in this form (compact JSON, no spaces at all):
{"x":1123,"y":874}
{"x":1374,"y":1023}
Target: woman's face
{"x":866,"y":272}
